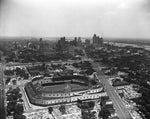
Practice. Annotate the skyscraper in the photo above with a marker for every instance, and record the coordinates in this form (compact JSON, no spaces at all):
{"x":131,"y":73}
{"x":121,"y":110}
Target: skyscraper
{"x":97,"y":41}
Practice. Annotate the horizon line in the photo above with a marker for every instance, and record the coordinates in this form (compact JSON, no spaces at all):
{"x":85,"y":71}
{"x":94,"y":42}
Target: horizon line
{"x":71,"y":37}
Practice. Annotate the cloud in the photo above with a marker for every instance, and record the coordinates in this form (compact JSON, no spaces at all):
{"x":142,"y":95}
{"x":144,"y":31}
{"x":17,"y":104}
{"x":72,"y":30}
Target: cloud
{"x":110,"y":13}
{"x":123,"y":6}
{"x":145,"y":5}
{"x":148,"y":14}
{"x":115,"y":18}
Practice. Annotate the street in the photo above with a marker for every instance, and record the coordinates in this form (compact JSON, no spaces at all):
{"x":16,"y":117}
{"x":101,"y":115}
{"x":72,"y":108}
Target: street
{"x":117,"y":102}
{"x":2,"y":94}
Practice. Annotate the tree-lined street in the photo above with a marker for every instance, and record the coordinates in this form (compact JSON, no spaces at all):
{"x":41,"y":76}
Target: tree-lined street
{"x":118,"y":104}
{"x":2,"y":94}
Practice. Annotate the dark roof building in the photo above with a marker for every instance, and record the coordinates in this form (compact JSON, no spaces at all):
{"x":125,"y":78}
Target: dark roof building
{"x":97,"y":41}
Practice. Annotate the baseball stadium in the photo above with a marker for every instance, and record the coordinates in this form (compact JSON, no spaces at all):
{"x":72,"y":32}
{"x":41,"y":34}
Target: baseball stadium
{"x":45,"y":91}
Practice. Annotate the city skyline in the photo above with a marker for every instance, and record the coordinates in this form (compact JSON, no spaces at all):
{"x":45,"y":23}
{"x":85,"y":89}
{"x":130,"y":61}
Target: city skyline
{"x":44,"y":18}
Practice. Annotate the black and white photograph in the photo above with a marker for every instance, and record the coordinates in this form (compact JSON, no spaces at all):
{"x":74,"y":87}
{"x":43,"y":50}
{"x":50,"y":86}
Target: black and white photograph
{"x":74,"y":59}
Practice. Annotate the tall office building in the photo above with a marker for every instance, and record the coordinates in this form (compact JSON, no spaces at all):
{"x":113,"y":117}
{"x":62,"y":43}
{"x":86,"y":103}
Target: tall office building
{"x":62,"y":44}
{"x":97,"y":41}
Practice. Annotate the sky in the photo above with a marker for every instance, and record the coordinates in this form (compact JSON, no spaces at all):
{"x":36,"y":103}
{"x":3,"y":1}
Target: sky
{"x":56,"y":18}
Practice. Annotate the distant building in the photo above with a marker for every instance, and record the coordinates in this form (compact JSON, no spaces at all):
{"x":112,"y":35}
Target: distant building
{"x":62,"y":44}
{"x":79,"y":42}
{"x":87,"y":41}
{"x":73,"y":42}
{"x":15,"y":45}
{"x":43,"y":47}
{"x":97,"y":41}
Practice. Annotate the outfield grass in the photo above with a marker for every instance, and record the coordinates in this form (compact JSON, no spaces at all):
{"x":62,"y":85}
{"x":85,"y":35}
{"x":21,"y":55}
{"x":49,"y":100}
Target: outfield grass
{"x":60,"y":88}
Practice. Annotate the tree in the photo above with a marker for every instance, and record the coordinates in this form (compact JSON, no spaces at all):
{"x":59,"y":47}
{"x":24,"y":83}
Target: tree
{"x":10,"y":107}
{"x":90,"y":71}
{"x":104,"y":113}
{"x":91,"y":104}
{"x":9,"y":72}
{"x":8,"y":80}
{"x":79,"y":103}
{"x":19,"y":95}
{"x":26,"y":76}
{"x":20,"y":100}
{"x":62,"y":109}
{"x":50,"y":110}
{"x":18,"y":71}
{"x":9,"y":97}
{"x":16,"y":90}
{"x":19,"y":116}
{"x":92,"y":115}
{"x":19,"y":109}
{"x":14,"y":82}
{"x":85,"y":115}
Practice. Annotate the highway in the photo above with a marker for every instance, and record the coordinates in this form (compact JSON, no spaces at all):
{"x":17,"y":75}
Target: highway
{"x":120,"y":108}
{"x":2,"y":94}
